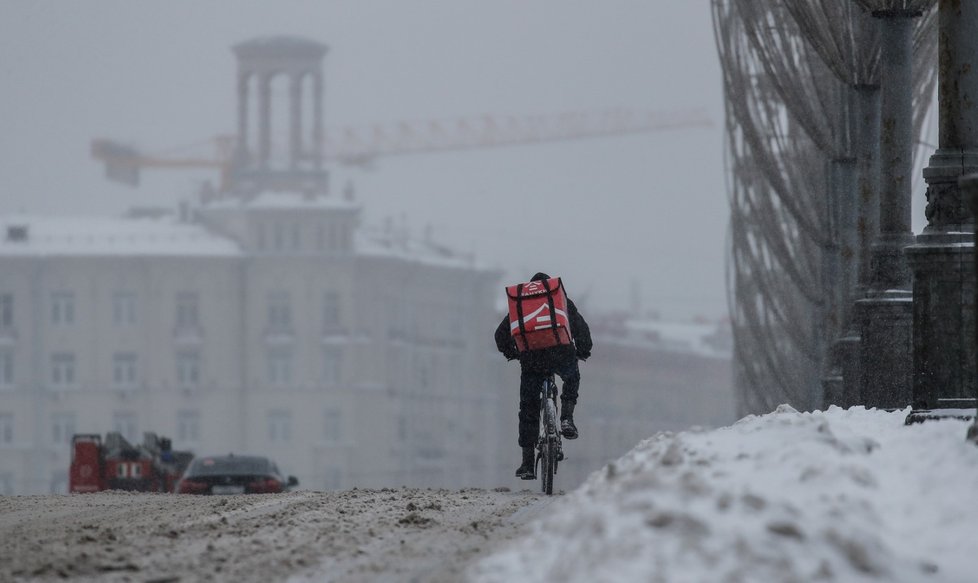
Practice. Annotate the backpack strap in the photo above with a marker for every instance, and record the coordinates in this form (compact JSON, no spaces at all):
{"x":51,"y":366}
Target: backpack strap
{"x":519,"y":311}
{"x":553,"y":311}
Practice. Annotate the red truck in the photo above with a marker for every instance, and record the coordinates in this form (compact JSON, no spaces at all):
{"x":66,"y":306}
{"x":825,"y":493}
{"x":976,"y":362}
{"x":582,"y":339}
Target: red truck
{"x":116,"y":464}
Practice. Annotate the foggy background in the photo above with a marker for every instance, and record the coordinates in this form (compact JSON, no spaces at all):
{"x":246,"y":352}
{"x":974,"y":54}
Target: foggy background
{"x":159,"y":75}
{"x":406,"y":386}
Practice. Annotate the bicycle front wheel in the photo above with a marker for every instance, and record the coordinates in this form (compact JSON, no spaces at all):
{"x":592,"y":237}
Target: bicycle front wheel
{"x":548,"y":465}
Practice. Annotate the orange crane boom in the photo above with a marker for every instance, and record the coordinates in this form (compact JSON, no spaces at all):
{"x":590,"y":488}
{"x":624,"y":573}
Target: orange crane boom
{"x":361,"y":146}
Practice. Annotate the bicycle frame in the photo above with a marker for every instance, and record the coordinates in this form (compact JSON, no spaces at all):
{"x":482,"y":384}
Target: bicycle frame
{"x":549,"y":446}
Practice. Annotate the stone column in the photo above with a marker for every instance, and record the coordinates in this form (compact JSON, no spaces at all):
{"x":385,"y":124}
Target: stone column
{"x":942,"y":259}
{"x":896,"y":151}
{"x":867,"y":130}
{"x":868,"y":161}
{"x":295,"y":113}
{"x":844,"y":275}
{"x":317,"y":120}
{"x":957,"y":152}
{"x":243,"y":110}
{"x":969,"y":185}
{"x":885,"y":316}
{"x":264,"y":120}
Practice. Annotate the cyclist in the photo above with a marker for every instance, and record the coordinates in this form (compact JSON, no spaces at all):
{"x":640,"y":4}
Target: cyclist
{"x":535,"y":367}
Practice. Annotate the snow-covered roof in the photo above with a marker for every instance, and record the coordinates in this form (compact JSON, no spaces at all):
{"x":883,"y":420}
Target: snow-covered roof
{"x":25,"y":235}
{"x":166,"y":236}
{"x":285,"y":45}
{"x":372,"y":243}
{"x":284,"y":201}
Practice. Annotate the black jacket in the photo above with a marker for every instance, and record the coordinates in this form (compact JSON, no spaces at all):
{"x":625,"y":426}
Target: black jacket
{"x":581,"y":348}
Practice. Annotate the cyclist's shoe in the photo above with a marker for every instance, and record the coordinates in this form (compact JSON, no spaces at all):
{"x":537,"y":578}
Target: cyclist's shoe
{"x":527,"y":470}
{"x":567,"y":427}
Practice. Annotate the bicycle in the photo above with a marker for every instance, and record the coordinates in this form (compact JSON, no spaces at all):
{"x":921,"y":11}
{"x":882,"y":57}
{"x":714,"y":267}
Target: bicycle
{"x":549,"y":445}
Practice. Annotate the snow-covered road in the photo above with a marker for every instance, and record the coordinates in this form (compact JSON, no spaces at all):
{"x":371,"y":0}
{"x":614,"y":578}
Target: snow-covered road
{"x":848,"y":496}
{"x":356,"y":536}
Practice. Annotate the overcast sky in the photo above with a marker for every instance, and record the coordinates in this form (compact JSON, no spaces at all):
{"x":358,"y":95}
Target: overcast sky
{"x":599,"y":212}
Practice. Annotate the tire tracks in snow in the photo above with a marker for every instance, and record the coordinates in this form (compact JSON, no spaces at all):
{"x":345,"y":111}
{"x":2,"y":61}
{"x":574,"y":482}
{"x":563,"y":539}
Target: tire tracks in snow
{"x":351,"y":536}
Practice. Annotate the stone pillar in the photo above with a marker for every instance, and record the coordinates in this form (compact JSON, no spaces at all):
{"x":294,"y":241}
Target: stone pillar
{"x":868,"y":161}
{"x":295,"y":118}
{"x":867,"y":128}
{"x":243,"y":110}
{"x":886,"y":349}
{"x":849,"y":350}
{"x":969,"y":185}
{"x":942,"y":260}
{"x":889,"y":267}
{"x":885,"y":316}
{"x":264,"y":120}
{"x":844,"y":273}
{"x":957,"y":152}
{"x":317,"y":120}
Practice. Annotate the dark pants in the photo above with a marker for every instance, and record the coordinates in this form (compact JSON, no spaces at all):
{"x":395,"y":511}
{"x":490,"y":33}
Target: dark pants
{"x":531,"y":380}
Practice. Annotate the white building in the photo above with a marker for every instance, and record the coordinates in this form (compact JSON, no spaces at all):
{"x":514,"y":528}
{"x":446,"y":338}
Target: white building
{"x":271,"y":325}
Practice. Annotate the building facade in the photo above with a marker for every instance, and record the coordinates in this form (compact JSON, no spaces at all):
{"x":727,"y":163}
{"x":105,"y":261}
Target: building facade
{"x":272,"y":326}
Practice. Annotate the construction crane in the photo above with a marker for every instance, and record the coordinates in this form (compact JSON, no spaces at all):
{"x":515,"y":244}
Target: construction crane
{"x":362,"y":146}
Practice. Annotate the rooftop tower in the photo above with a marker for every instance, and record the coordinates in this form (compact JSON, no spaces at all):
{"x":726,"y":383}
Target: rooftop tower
{"x":270,"y":69}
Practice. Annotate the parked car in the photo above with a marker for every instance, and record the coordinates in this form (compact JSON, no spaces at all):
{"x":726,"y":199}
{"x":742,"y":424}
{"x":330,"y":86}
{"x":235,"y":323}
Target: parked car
{"x":234,"y":474}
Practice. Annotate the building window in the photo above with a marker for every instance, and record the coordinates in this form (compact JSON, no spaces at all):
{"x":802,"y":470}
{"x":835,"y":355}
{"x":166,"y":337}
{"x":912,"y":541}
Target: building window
{"x":6,"y":369}
{"x":278,"y":237}
{"x":124,"y":423}
{"x":333,"y":236}
{"x":63,"y":308}
{"x":423,"y":372}
{"x":63,"y":370}
{"x":123,"y":308}
{"x":261,"y":237}
{"x":332,"y":425}
{"x":279,"y":312}
{"x":188,"y":313}
{"x":332,"y":364}
{"x":188,"y":426}
{"x":188,"y":368}
{"x":6,"y":311}
{"x":62,"y":428}
{"x":331,"y":312}
{"x":279,"y":366}
{"x":296,"y":237}
{"x":320,"y":238}
{"x":279,"y":426}
{"x":124,"y":370}
{"x":6,"y":428}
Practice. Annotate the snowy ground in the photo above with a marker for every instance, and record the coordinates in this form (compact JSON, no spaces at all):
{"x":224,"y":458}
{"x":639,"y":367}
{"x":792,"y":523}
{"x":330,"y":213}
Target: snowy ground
{"x":354,"y":536}
{"x":836,"y":496}
{"x":847,"y":496}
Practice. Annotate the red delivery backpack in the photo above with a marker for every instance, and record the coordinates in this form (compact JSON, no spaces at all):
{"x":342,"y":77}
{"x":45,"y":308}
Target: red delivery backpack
{"x":538,"y":314}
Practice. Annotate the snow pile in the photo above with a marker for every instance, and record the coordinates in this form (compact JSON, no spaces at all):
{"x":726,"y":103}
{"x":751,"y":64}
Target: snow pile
{"x":844,"y":495}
